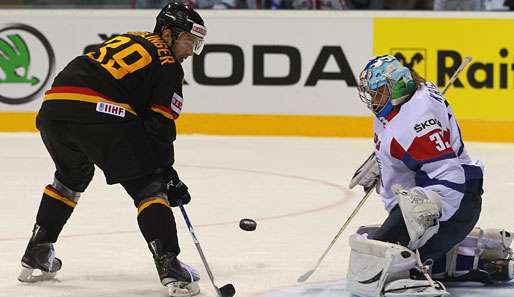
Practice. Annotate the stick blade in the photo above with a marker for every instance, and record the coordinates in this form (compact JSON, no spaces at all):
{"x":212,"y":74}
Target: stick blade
{"x":305,"y":276}
{"x":227,"y":290}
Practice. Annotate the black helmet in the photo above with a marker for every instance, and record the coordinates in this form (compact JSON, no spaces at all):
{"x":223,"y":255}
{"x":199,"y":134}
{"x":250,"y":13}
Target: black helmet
{"x":181,"y":18}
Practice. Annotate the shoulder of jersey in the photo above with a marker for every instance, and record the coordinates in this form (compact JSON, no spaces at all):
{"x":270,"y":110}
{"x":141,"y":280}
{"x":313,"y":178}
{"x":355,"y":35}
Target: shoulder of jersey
{"x":424,"y":101}
{"x":419,"y":108}
{"x":156,"y":42}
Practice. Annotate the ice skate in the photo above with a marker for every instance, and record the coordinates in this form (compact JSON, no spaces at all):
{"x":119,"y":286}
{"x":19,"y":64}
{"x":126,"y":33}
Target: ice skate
{"x":180,"y":279}
{"x":39,"y":262}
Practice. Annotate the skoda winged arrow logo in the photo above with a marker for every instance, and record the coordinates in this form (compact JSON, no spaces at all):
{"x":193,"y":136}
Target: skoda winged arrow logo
{"x":17,"y":57}
{"x":27,"y":62}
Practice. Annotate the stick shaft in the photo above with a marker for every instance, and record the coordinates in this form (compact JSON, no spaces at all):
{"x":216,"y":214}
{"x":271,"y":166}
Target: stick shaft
{"x":456,"y":74}
{"x":354,"y":212}
{"x":199,"y":248}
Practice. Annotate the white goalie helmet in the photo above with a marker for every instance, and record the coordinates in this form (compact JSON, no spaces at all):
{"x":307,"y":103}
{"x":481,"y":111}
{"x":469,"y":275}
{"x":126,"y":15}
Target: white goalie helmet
{"x":379,"y":72}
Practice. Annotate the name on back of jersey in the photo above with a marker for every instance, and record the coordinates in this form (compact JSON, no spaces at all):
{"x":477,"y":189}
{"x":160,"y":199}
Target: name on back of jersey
{"x":163,"y":50}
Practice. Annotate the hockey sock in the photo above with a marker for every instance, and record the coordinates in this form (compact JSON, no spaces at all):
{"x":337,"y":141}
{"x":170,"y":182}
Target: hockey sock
{"x":54,"y":211}
{"x":156,"y":221}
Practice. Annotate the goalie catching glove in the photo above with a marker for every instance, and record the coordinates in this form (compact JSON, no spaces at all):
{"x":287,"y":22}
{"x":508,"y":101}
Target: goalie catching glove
{"x":421,"y":209}
{"x":367,"y":175}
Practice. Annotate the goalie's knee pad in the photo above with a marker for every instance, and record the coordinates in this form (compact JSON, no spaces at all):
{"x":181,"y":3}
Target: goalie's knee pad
{"x":488,"y":254}
{"x":381,"y":269}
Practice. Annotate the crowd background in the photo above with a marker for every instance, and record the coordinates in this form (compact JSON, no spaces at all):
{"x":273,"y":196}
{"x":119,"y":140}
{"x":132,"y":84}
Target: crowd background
{"x":462,"y":5}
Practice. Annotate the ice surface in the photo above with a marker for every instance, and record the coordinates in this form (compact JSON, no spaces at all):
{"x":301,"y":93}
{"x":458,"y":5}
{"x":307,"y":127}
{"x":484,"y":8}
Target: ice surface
{"x":294,"y":188}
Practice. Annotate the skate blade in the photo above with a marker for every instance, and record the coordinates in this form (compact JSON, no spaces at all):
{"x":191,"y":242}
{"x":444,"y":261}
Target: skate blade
{"x":30,"y":275}
{"x":182,"y":289}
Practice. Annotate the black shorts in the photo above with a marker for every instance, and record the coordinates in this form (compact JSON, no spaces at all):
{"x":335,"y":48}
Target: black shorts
{"x":123,"y":150}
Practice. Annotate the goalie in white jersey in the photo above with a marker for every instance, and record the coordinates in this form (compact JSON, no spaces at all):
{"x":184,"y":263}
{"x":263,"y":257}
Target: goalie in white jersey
{"x":430,"y":187}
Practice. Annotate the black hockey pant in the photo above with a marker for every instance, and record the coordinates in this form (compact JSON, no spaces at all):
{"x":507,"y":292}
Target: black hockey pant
{"x":450,"y":233}
{"x":125,"y":154}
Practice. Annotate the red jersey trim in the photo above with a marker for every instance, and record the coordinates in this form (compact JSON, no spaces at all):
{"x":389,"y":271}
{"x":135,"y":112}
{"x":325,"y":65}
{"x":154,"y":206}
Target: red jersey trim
{"x":83,"y":95}
{"x":164,"y":111}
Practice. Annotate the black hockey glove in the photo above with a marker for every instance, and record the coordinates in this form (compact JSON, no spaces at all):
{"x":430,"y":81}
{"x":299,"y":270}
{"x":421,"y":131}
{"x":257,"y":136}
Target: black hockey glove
{"x":177,"y":190}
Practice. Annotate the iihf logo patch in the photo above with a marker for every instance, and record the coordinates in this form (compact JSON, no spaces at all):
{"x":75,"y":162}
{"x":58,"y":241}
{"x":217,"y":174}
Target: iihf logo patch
{"x":110,"y":109}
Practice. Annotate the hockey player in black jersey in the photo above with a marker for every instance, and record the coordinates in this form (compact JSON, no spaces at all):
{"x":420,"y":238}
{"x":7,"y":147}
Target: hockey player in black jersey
{"x":115,"y":107}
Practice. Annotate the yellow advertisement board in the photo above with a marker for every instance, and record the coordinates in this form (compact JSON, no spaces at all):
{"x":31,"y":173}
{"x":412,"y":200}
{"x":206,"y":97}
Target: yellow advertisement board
{"x":483,"y":95}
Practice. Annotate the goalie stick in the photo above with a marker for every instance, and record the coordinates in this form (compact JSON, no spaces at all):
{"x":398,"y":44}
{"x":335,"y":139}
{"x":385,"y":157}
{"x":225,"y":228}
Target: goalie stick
{"x":227,"y":290}
{"x":308,"y":274}
{"x":456,"y":74}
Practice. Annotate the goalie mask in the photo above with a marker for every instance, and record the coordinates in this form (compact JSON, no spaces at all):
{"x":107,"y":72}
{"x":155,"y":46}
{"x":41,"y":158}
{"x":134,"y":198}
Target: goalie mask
{"x":182,"y":18}
{"x":384,"y":83}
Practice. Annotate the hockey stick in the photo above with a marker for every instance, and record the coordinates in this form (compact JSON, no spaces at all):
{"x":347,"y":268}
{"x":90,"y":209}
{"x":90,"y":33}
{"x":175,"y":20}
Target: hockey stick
{"x":456,"y":74}
{"x":308,"y":274}
{"x":227,"y":290}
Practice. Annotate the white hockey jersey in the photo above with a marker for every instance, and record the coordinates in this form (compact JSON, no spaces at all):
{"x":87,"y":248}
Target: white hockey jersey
{"x":420,"y":144}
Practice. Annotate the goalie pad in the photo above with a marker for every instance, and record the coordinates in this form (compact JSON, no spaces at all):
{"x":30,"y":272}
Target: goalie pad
{"x":492,"y":257}
{"x":421,"y":211}
{"x":488,"y":244}
{"x":367,"y":175}
{"x":381,"y":269}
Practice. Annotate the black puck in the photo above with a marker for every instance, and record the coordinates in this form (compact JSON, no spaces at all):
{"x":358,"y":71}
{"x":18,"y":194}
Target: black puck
{"x":247,"y":224}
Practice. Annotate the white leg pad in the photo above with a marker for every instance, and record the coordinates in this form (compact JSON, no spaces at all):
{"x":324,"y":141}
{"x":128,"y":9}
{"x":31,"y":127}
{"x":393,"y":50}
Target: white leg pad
{"x":485,"y":245}
{"x":491,"y":244}
{"x":379,"y":269}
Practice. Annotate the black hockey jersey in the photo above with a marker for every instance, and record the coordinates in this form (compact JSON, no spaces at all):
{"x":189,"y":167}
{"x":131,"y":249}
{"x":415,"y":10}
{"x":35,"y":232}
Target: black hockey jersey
{"x":132,"y":76}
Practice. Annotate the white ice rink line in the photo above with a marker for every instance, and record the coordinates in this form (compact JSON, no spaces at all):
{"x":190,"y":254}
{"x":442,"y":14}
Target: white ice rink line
{"x":295,"y":188}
